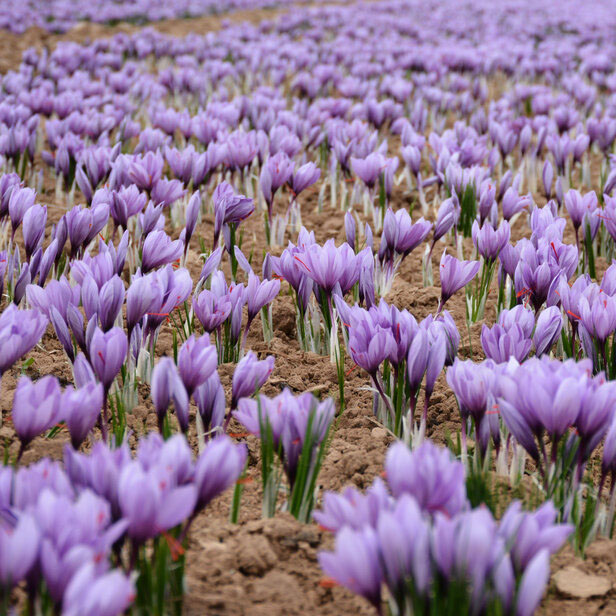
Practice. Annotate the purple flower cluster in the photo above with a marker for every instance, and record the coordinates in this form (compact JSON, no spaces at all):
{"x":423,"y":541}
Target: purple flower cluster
{"x":420,"y":537}
{"x":105,"y":498}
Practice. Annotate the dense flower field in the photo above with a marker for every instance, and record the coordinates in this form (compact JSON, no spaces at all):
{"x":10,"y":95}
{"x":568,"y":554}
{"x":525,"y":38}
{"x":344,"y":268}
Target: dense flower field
{"x":365,"y":244}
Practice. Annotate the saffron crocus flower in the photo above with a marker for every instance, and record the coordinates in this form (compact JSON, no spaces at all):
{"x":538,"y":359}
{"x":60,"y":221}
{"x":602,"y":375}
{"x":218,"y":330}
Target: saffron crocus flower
{"x":80,"y":408}
{"x":110,"y":301}
{"x":126,"y":203}
{"x":173,"y":288}
{"x":165,"y":192}
{"x":150,"y":503}
{"x":211,"y":310}
{"x":598,"y":315}
{"x":210,"y":400}
{"x":193,"y":208}
{"x":472,"y":385}
{"x":20,"y":331}
{"x":90,"y":592}
{"x":197,"y":360}
{"x":501,"y":344}
{"x":249,"y":376}
{"x":36,"y":407}
{"x":141,"y":295}
{"x":547,"y":331}
{"x":19,"y":544}
{"x":528,"y":533}
{"x":107,"y":354}
{"x":579,"y":206}
{"x":446,"y":217}
{"x":455,"y":274}
{"x":159,"y":249}
{"x":329,"y":265}
{"x":287,"y":416}
{"x":533,"y":584}
{"x":369,"y":169}
{"x":218,"y":468}
{"x":20,"y":201}
{"x":229,"y":208}
{"x":84,"y":224}
{"x":518,"y":315}
{"x":404,"y":540}
{"x":429,"y":474}
{"x":276,"y":172}
{"x":33,"y":228}
{"x":305,"y":176}
{"x":353,"y":508}
{"x":166,"y":385}
{"x":490,"y":241}
{"x":400,"y":235}
{"x":259,"y":294}
{"x":356,"y":563}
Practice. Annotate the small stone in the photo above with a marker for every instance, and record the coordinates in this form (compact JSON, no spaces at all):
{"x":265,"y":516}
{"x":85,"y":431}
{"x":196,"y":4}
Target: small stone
{"x":256,"y":556}
{"x":379,"y":433}
{"x":573,"y":582}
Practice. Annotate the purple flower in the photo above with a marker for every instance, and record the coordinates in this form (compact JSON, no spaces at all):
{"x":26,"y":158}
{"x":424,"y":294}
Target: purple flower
{"x":84,"y":224}
{"x":356,"y":563}
{"x":472,"y":385}
{"x":80,"y":409}
{"x":147,"y":170}
{"x":159,"y":249}
{"x":259,"y":294}
{"x":211,"y":310}
{"x":19,"y":545}
{"x":276,"y":172}
{"x":304,"y":177}
{"x":197,"y":360}
{"x":518,"y":315}
{"x":20,"y":331}
{"x":533,"y":584}
{"x":329,"y":265}
{"x":404,"y":541}
{"x":20,"y":201}
{"x":547,"y":331}
{"x":107,"y":594}
{"x":455,"y":275}
{"x":229,"y":208}
{"x":288,"y":417}
{"x":166,"y":385}
{"x":598,"y":315}
{"x":530,"y":532}
{"x":400,"y":235}
{"x":446,"y":217}
{"x":151,"y":503}
{"x":33,"y":228}
{"x":578,"y":206}
{"x":107,"y":354}
{"x":249,"y":376}
{"x":126,"y":203}
{"x":430,"y":475}
{"x":353,"y":508}
{"x":166,"y":192}
{"x":210,"y":400}
{"x":502,"y":343}
{"x":141,"y":295}
{"x":489,"y":241}
{"x":218,"y":467}
{"x":36,"y":407}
